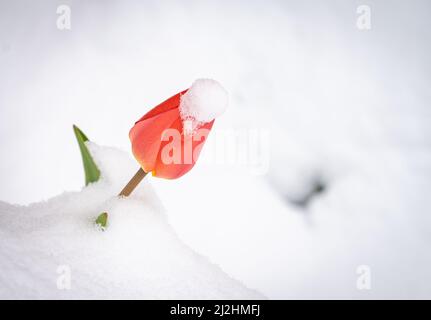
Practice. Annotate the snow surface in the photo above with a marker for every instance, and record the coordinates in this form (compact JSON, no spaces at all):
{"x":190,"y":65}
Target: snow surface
{"x":139,"y":256}
{"x":346,"y":108}
{"x":204,"y":101}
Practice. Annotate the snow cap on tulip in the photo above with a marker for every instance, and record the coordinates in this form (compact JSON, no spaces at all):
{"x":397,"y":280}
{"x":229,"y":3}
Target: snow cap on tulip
{"x":203,"y":102}
{"x":187,"y":118}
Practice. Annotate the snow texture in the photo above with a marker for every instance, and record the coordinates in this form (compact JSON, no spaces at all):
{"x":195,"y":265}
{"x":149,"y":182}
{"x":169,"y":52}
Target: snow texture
{"x":204,"y":101}
{"x":138,"y":256}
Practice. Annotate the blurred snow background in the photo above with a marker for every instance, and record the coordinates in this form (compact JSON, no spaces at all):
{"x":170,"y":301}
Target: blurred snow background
{"x":344,"y":113}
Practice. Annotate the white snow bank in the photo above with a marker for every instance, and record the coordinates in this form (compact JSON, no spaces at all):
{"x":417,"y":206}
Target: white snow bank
{"x":138,"y":256}
{"x":203,"y":102}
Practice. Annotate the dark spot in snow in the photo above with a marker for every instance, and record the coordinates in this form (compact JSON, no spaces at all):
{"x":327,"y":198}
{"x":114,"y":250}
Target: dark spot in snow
{"x":317,"y":187}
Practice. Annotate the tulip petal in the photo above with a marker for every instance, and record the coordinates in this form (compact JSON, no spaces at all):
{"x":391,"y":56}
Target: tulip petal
{"x":167,"y":105}
{"x":176,"y":170}
{"x":146,"y":136}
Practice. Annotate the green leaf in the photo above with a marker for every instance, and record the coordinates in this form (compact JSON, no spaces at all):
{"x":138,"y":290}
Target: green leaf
{"x":102,"y":220}
{"x":92,"y":173}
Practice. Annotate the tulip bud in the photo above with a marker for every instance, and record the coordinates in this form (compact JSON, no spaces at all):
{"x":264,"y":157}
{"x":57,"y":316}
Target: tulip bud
{"x":167,"y":140}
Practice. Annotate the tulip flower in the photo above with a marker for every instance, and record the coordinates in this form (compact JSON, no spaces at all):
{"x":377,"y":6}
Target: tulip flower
{"x":168,"y":139}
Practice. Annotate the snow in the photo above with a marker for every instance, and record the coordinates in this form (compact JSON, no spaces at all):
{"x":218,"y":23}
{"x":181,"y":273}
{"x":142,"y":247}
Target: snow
{"x":138,"y":256}
{"x":345,"y":108}
{"x":204,"y":101}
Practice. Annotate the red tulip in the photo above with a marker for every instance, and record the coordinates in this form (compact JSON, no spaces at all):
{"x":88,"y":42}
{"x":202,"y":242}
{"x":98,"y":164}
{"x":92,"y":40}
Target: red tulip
{"x":162,"y":143}
{"x":167,"y":140}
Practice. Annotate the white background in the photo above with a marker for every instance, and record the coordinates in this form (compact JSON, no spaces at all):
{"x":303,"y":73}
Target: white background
{"x":347,"y":106}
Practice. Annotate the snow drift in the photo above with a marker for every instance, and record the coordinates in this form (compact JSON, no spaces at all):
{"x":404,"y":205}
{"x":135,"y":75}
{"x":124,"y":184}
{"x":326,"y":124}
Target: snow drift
{"x":138,"y":256}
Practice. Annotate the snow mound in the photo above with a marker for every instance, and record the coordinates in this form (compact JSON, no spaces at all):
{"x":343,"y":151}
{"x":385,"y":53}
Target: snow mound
{"x":203,"y":102}
{"x":53,"y":250}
